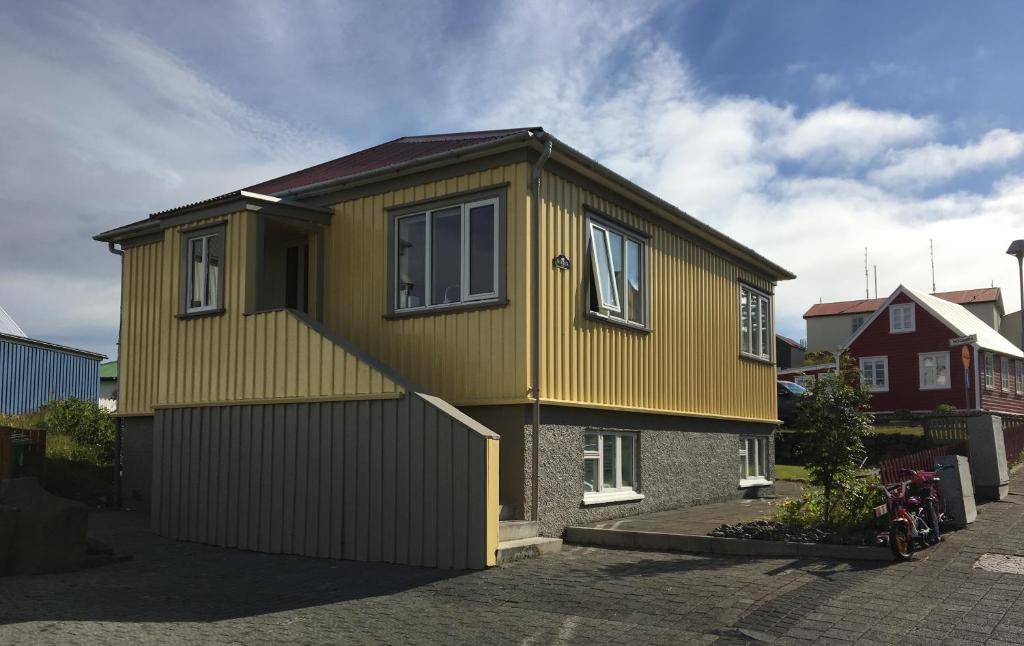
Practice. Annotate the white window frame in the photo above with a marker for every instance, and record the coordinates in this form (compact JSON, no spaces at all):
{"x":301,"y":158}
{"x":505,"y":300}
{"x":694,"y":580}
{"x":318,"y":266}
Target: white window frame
{"x":618,"y":492}
{"x":759,"y":458}
{"x":614,"y":309}
{"x":1019,"y":386}
{"x":763,"y":349}
{"x":874,"y":360}
{"x":204,"y":267}
{"x":938,"y":356}
{"x":1004,"y":374}
{"x":464,"y":244}
{"x":990,"y":371}
{"x":911,"y":317}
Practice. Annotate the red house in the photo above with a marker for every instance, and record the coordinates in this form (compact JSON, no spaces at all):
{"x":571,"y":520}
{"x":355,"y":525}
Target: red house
{"x":911,"y":352}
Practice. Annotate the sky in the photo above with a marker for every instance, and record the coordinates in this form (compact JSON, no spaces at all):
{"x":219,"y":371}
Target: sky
{"x":808,"y":131}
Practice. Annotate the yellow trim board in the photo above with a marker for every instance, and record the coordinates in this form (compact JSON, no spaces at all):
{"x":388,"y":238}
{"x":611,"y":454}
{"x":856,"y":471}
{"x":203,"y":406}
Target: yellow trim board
{"x":283,"y":400}
{"x":493,"y":506}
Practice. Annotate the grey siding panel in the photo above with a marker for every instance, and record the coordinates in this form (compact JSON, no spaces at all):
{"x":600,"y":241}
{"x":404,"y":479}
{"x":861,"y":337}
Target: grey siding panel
{"x":391,"y":480}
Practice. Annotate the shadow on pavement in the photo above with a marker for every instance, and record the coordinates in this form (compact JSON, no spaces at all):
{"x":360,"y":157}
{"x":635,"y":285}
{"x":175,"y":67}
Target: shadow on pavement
{"x":170,"y":581}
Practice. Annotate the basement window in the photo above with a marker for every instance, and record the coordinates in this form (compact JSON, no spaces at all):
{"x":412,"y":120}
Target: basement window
{"x":203,"y":270}
{"x":754,"y":461}
{"x":446,"y":256}
{"x":755,"y":323}
{"x":610,"y":467}
{"x":618,"y":286}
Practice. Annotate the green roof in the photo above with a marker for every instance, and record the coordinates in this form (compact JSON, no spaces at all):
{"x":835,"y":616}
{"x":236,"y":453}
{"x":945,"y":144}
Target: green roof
{"x":108,"y":370}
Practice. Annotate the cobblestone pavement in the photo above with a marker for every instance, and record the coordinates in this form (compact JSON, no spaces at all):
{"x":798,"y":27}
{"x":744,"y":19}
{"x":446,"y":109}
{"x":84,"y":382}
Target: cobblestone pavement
{"x":185,"y":593}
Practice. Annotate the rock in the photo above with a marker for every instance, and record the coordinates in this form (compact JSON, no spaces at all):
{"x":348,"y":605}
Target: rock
{"x":51,"y":531}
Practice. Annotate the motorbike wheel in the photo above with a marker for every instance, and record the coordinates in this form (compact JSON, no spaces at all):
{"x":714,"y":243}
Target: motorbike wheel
{"x":901,"y":541}
{"x":932,"y":517}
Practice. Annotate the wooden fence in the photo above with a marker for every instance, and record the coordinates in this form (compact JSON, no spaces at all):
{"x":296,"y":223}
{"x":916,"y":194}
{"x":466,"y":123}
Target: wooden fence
{"x":22,"y":452}
{"x":1013,"y":442}
{"x":942,"y":429}
{"x":920,"y":461}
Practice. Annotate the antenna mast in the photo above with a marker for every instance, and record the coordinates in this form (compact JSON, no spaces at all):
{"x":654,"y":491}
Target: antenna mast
{"x":876,"y":281}
{"x":867,"y":288}
{"x":931,"y":247}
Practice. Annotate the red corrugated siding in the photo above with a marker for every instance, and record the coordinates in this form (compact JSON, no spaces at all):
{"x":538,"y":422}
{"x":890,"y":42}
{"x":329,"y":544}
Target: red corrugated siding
{"x":931,"y":335}
{"x":994,"y":399}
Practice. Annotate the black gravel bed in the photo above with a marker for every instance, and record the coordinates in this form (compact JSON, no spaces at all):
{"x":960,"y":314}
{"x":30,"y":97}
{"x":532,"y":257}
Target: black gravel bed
{"x":767,"y":530}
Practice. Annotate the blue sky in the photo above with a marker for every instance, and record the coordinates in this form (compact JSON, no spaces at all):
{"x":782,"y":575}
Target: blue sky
{"x":807,"y":130}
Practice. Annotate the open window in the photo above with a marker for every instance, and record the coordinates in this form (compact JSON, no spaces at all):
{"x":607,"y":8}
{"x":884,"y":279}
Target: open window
{"x":618,"y":285}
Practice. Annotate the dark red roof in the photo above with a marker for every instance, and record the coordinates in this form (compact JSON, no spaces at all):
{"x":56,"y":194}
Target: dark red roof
{"x":868,"y":305}
{"x":402,"y":150}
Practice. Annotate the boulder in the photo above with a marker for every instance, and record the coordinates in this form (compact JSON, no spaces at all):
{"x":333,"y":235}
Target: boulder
{"x":51,"y":531}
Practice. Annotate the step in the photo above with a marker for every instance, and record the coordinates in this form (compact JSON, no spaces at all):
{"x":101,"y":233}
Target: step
{"x":527,"y":548}
{"x":513,"y":530}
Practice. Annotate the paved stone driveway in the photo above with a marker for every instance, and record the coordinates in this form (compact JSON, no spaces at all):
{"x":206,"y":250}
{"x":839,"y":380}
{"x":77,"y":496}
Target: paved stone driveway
{"x":185,"y":593}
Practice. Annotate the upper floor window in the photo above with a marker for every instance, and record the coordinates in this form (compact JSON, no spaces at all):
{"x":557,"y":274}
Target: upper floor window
{"x":447,"y":256}
{"x":1020,"y":376}
{"x":934,"y":370}
{"x":874,"y":373}
{"x":203,"y":268}
{"x":755,"y":323}
{"x":990,"y":371}
{"x":1004,"y":374}
{"x":855,"y":323}
{"x":901,"y":317}
{"x":618,"y":287}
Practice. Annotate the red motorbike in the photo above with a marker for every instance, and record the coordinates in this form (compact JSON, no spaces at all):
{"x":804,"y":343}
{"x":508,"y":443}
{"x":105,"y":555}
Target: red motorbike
{"x":914,"y":510}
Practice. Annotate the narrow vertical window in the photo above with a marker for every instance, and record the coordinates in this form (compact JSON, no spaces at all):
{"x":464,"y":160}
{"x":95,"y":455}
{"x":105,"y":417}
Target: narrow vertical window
{"x":203,"y":275}
{"x":1004,"y":374}
{"x":446,"y":252}
{"x":604,"y":271}
{"x":755,"y":323}
{"x":411,"y":240}
{"x":990,"y":371}
{"x":482,"y":258}
{"x":1020,"y":376}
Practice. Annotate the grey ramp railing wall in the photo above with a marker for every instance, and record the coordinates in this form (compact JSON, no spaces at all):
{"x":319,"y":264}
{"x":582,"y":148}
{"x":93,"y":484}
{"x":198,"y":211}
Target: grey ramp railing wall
{"x":395,"y":480}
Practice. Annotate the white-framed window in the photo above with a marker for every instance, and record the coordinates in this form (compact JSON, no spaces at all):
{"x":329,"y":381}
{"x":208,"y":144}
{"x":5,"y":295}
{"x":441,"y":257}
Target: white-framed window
{"x":610,"y":467}
{"x":618,"y":262}
{"x":753,"y":460}
{"x":1004,"y":374}
{"x":933,"y":370}
{"x":990,"y":371}
{"x":874,"y":373}
{"x":755,"y":323}
{"x":901,"y":318}
{"x":204,"y":277}
{"x":1020,"y":376}
{"x":447,"y":256}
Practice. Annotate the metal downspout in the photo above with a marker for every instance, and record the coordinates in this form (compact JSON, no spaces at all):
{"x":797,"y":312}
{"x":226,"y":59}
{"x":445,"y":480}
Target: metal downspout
{"x":538,"y":166}
{"x":118,"y":438}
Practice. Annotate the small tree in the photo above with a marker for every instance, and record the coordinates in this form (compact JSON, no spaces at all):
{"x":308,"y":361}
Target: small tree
{"x":847,"y":364}
{"x":835,"y":414}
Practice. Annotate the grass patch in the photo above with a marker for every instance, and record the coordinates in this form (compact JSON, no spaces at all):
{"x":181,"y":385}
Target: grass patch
{"x":791,"y":472}
{"x":914,"y":431}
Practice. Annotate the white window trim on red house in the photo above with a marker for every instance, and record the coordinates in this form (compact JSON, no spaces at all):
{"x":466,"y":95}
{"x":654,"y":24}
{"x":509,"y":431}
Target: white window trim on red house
{"x":874,"y":361}
{"x":902,"y":313}
{"x":941,"y":359}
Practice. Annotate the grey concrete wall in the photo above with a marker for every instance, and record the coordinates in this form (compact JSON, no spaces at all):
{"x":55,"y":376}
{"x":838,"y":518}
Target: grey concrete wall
{"x":683,"y":461}
{"x":400,"y":480}
{"x":137,"y":481}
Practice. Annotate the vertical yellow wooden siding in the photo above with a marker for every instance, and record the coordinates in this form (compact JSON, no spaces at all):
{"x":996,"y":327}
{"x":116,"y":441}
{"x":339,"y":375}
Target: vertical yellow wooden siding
{"x":231,"y":357}
{"x":464,"y":357}
{"x":689,"y":363}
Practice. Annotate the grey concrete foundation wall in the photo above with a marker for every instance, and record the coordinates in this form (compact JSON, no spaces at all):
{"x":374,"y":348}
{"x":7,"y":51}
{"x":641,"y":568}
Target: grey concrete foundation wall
{"x":137,"y":480}
{"x":683,"y":461}
{"x":398,"y":480}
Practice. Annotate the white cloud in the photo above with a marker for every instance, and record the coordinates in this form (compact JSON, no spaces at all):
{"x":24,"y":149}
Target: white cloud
{"x":932,"y":163}
{"x":827,"y":83}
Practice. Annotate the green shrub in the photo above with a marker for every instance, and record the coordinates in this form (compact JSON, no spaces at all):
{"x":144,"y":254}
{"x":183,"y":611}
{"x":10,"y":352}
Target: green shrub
{"x":944,"y":409}
{"x":852,"y":506}
{"x":84,"y":422}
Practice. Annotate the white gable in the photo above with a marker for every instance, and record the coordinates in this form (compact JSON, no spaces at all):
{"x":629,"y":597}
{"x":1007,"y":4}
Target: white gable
{"x":8,"y":326}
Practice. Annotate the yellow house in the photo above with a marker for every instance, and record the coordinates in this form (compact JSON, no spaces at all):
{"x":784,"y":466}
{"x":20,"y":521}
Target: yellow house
{"x":323,"y":363}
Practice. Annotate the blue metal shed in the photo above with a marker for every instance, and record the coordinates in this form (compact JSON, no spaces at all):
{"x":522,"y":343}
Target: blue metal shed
{"x":34,"y":372}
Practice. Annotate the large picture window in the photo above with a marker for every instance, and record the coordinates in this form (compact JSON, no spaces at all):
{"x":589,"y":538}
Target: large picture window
{"x":753,"y":460}
{"x":755,"y":323}
{"x":618,"y":275}
{"x":874,"y":373}
{"x":203,"y":265}
{"x":933,"y":368}
{"x":447,"y":256}
{"x":609,"y":467}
